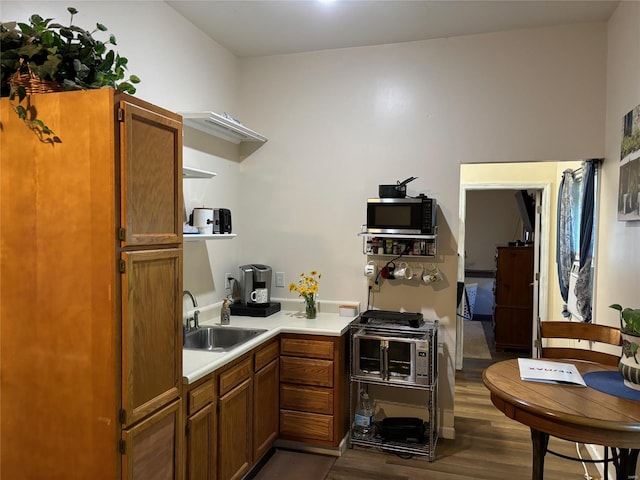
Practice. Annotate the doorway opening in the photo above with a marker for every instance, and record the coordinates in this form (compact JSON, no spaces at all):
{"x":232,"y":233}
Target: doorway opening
{"x":485,"y":273}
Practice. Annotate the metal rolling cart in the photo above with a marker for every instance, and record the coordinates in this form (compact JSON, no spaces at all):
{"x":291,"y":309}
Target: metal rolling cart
{"x":397,"y":350}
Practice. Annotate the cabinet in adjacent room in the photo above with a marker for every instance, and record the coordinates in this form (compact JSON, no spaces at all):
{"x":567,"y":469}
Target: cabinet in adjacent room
{"x":513,"y":314}
{"x":91,"y":290}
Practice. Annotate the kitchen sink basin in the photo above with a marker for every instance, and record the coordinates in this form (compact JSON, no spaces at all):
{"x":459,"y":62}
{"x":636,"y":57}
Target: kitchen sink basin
{"x":219,"y":339}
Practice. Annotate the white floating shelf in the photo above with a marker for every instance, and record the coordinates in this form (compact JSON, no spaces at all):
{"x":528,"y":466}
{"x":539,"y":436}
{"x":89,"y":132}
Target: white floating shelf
{"x":198,"y":237}
{"x":222,"y":127}
{"x":190,"y":172}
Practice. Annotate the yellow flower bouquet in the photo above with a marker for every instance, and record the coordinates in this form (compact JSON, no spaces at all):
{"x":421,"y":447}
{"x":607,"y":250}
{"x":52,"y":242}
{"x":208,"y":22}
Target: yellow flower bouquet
{"x":307,"y":288}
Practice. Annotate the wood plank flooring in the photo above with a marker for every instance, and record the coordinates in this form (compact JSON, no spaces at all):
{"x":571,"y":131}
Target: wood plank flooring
{"x":488,"y":445}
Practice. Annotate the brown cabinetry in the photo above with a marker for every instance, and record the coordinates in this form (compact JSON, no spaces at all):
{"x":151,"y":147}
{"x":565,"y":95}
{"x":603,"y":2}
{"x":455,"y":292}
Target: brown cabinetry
{"x":313,"y":395}
{"x":513,"y":314}
{"x":235,"y":418}
{"x":150,"y":449}
{"x":227,"y":434}
{"x":201,"y":445}
{"x":266,"y":402}
{"x":90,"y":288}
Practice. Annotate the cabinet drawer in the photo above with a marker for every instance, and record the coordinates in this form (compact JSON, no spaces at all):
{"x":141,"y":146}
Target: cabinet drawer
{"x":306,"y":425}
{"x":306,"y":399}
{"x":201,"y":395}
{"x":306,"y":371}
{"x":235,"y":375}
{"x":265,"y":355}
{"x":300,"y":347}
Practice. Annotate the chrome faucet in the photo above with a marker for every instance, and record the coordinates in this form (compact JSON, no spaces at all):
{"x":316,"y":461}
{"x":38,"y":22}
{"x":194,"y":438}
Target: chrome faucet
{"x":193,"y":319}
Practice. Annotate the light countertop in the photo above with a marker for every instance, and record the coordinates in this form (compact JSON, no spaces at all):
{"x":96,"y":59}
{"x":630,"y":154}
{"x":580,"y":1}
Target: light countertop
{"x":198,"y":363}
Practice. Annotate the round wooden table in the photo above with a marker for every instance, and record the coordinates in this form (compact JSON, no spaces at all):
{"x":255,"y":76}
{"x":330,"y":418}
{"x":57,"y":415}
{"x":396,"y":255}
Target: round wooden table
{"x":574,"y":413}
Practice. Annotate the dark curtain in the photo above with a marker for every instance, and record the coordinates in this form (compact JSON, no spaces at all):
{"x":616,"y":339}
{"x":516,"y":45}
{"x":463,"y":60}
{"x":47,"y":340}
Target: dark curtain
{"x":584,"y":283}
{"x":564,"y":238}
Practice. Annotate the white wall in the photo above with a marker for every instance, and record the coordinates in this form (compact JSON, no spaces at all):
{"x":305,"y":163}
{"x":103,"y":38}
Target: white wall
{"x":618,"y":266}
{"x":341,"y":122}
{"x":492,"y":219}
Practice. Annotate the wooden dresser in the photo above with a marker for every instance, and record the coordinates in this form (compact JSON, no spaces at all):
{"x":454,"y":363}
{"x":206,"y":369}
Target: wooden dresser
{"x":513,"y":311}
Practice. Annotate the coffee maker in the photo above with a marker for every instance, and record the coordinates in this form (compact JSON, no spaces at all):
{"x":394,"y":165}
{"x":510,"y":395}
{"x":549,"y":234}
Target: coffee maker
{"x":254,"y":296}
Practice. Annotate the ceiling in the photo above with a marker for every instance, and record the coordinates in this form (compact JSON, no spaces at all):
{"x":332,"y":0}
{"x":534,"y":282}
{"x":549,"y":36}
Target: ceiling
{"x":271,"y":27}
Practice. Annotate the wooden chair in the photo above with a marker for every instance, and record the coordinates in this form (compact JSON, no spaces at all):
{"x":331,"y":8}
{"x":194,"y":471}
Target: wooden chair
{"x":584,"y":332}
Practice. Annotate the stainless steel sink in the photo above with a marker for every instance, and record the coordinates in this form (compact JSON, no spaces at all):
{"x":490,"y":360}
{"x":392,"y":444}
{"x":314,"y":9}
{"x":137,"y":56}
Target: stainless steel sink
{"x":219,"y":339}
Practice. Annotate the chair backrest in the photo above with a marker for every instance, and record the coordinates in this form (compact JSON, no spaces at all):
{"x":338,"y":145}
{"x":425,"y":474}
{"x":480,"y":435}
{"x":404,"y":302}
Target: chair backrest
{"x":580,"y":331}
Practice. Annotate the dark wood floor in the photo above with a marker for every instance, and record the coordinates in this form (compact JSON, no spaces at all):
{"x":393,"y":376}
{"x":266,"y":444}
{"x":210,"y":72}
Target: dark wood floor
{"x":488,"y":445}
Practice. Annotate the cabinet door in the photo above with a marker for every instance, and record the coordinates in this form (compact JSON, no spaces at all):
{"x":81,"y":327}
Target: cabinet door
{"x":201,"y":444}
{"x":235,"y":432}
{"x":150,"y":175}
{"x":151,"y":449}
{"x":266,"y":408}
{"x":151,"y":331}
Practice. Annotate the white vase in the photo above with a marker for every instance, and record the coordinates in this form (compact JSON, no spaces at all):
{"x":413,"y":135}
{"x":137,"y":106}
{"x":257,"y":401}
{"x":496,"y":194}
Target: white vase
{"x":629,"y":365}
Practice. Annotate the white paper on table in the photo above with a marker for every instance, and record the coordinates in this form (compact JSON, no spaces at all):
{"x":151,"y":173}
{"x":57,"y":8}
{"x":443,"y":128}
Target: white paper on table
{"x":550,"y":372}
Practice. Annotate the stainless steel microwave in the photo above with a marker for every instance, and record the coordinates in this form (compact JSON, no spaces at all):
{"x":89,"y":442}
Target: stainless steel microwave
{"x":412,"y":216}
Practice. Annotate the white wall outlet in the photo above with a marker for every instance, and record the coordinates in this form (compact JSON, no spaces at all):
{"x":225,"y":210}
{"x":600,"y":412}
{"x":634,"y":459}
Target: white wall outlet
{"x":279,"y":279}
{"x":227,"y":281}
{"x":371,"y":282}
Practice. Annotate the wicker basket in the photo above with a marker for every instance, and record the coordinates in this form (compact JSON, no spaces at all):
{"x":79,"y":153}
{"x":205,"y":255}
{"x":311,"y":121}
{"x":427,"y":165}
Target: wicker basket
{"x":32,"y":83}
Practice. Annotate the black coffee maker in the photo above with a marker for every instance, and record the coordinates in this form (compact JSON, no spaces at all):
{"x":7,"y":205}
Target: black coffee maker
{"x":254,"y":296}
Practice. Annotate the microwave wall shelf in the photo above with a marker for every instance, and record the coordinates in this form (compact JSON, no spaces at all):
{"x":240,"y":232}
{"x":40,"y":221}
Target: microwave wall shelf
{"x":425,"y":248}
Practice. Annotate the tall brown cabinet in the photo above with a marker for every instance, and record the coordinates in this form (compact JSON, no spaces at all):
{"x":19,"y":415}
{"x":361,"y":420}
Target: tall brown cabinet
{"x":91,"y":290}
{"x":513,"y":314}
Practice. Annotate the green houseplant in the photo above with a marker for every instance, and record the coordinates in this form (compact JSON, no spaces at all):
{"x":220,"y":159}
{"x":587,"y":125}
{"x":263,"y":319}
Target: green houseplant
{"x":55,"y":57}
{"x":630,"y":330}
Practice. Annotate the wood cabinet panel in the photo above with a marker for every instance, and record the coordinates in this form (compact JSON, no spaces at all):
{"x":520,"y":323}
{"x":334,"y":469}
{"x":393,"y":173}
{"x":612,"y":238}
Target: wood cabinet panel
{"x":151,"y":330}
{"x":266,"y":354}
{"x":297,"y":346}
{"x":201,"y":444}
{"x":59,"y":363}
{"x":266,"y":404}
{"x":306,"y":371}
{"x":513,"y":328}
{"x":231,"y":377}
{"x":513,"y":315}
{"x":61,"y":257}
{"x":235,"y":432}
{"x":306,"y":426}
{"x":201,"y":395}
{"x":314,"y":399}
{"x":151,"y":174}
{"x":152,"y":449}
{"x":306,"y":399}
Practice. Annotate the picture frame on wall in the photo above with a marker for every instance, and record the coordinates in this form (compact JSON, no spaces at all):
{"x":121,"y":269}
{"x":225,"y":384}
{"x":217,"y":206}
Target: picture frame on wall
{"x":629,"y":185}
